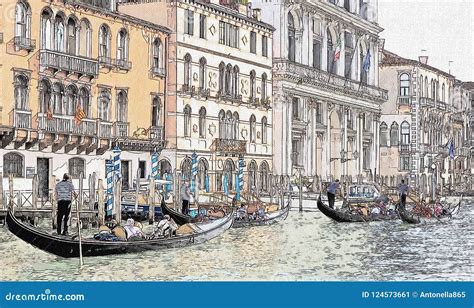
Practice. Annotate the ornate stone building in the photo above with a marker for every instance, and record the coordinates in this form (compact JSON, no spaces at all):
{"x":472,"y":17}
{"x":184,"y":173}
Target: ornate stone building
{"x":219,"y":90}
{"x":78,"y":79}
{"x":427,"y":111}
{"x":325,"y":82}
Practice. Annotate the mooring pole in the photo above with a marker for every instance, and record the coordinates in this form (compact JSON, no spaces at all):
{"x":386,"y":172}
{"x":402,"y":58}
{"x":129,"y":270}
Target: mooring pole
{"x":101,"y":203}
{"x":301,"y":191}
{"x":78,"y":216}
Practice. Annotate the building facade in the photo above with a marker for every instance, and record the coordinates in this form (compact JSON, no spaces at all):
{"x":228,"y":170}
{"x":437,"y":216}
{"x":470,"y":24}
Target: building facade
{"x":427,"y":111}
{"x":77,"y":80}
{"x":326,"y":93}
{"x":219,"y":91}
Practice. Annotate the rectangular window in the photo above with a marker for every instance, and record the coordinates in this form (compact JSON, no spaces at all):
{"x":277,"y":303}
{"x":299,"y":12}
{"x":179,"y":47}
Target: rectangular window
{"x":253,"y":42}
{"x":317,"y":54}
{"x":319,"y":113}
{"x":142,"y":166}
{"x":296,"y":108}
{"x":348,"y":64}
{"x":264,"y":46}
{"x":228,"y":34}
{"x":202,"y":26}
{"x":296,"y":150}
{"x":189,"y":22}
{"x":405,"y":163}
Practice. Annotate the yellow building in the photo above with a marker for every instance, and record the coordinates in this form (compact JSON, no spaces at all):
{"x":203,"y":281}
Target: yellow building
{"x":76,"y":80}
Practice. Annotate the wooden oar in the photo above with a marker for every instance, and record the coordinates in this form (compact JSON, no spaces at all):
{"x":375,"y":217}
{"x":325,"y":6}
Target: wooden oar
{"x":78,"y":216}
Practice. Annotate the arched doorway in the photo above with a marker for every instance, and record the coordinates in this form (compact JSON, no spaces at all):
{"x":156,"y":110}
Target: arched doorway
{"x":264,"y":177}
{"x":186,"y":167}
{"x":252,"y":178}
{"x":228,"y":175}
{"x":202,"y":175}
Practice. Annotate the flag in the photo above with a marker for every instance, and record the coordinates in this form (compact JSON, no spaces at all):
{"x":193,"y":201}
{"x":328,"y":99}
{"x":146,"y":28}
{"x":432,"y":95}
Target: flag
{"x":337,"y":52}
{"x":367,"y":59}
{"x":80,"y":115}
{"x":49,"y":113}
{"x":451,"y":149}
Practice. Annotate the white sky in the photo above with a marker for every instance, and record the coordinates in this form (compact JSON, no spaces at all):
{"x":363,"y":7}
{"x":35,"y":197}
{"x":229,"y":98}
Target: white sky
{"x":444,"y":28}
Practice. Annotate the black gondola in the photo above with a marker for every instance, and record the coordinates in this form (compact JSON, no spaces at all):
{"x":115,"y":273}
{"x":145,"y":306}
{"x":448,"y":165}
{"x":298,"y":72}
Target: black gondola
{"x":68,"y":247}
{"x":412,"y":218}
{"x":345,"y":216}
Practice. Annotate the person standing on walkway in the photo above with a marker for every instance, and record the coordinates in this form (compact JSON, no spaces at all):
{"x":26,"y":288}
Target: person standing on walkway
{"x":403,"y":192}
{"x":185,"y":197}
{"x":332,"y":188}
{"x":64,"y":194}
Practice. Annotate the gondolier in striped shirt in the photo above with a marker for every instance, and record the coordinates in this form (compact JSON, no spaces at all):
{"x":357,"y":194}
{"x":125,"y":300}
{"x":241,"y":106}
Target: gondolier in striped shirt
{"x":331,"y":190}
{"x":64,"y":194}
{"x":403,"y":191}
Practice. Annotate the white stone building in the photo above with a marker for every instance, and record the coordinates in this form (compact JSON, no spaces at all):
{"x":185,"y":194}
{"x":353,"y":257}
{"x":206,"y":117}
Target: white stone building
{"x":219,"y":92}
{"x":326,"y":111}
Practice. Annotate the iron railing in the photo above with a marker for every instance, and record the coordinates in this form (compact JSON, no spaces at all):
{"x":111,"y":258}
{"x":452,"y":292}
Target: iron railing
{"x":70,"y":63}
{"x":20,"y":118}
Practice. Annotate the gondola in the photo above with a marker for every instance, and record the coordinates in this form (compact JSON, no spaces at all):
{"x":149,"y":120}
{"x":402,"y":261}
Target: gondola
{"x":178,"y":217}
{"x":128,"y":211}
{"x":412,"y":218}
{"x":269,"y":219}
{"x":345,"y":216}
{"x":68,"y":247}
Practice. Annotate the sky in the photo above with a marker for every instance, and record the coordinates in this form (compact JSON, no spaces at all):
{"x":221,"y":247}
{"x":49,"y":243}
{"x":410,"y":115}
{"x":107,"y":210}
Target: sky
{"x":444,"y":28}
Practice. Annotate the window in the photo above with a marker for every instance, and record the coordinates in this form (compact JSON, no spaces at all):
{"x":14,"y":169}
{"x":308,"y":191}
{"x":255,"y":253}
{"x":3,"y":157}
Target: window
{"x":366,"y":162}
{"x":104,"y":44}
{"x":85,"y":38}
{"x":253,"y":129}
{"x":202,"y":26}
{"x":252,"y":169}
{"x":122,"y":45}
{"x":157,"y":54}
{"x":264,"y":130}
{"x":122,"y":106}
{"x":331,"y":65}
{"x":187,"y":70}
{"x":422,"y":89}
{"x":296,"y":108}
{"x":202,"y":176}
{"x":189,"y":22}
{"x":264,"y":46}
{"x":22,"y":21}
{"x":46,"y":29}
{"x":229,"y":125}
{"x":59,"y":34}
{"x":363,"y":72}
{"x":264,"y":87}
{"x":405,"y":133}
{"x":443,"y":93}
{"x":235,"y":82}
{"x":404,"y":84}
{"x":84,"y":102}
{"x":104,"y":105}
{"x":71,"y":36}
{"x":348,"y":54}
{"x":202,"y":122}
{"x":21,"y":92}
{"x":349,"y":119}
{"x":142,"y":167}
{"x":253,"y":86}
{"x":70,"y":104}
{"x":264,"y":171}
{"x":221,"y":77}
{"x":253,"y":42}
{"x":347,"y":5}
{"x":235,"y":119}
{"x":319,"y":113}
{"x":156,"y":112}
{"x":186,"y":168}
{"x":187,"y":121}
{"x":296,"y":150}
{"x":383,"y":134}
{"x":228,"y":79}
{"x":44,"y":95}
{"x":76,"y":167}
{"x":228,"y":34}
{"x":58,"y":91}
{"x":317,"y":54}
{"x":202,"y":73}
{"x":13,"y":165}
{"x":222,"y":133}
{"x":404,"y":163}
{"x":291,"y":37}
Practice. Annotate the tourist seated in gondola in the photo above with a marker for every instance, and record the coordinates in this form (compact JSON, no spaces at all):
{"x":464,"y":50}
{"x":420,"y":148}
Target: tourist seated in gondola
{"x":134,"y":233}
{"x":260,"y":213}
{"x":375,"y":211}
{"x":166,"y":227}
{"x":242,"y":212}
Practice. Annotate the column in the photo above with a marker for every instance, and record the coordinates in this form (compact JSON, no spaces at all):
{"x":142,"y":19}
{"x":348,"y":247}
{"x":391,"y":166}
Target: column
{"x":360,"y":136}
{"x":328,"y":141}
{"x":344,"y":142}
{"x":324,"y":57}
{"x":342,"y":61}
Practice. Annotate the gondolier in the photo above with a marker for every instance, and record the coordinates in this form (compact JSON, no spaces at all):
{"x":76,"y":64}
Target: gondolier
{"x":64,"y":194}
{"x":331,"y":190}
{"x":185,"y":197}
{"x":403,"y":191}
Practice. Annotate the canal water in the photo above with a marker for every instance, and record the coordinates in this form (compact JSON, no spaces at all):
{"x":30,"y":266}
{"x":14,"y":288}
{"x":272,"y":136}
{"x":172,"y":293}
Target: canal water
{"x":307,"y":246}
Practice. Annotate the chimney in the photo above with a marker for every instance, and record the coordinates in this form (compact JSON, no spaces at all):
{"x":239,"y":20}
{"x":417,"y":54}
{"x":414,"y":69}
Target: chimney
{"x":423,"y":59}
{"x":257,"y":14}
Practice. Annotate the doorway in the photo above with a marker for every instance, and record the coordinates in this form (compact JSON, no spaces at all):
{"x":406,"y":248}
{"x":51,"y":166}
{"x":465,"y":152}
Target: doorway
{"x":42,"y":166}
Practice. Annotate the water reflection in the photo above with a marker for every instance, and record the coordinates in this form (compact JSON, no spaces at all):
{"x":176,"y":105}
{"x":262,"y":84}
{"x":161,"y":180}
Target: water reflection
{"x":306,"y":246}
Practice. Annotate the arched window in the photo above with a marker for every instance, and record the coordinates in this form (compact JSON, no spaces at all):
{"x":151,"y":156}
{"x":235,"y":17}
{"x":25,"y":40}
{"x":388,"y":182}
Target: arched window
{"x":122,"y":45}
{"x":44,"y":96}
{"x":71,"y":100}
{"x":222,"y":125}
{"x":235,"y":81}
{"x":264,"y":171}
{"x":253,"y":129}
{"x":443,"y":93}
{"x":59,"y":33}
{"x":187,"y":70}
{"x":404,"y":84}
{"x":46,"y":29}
{"x":264,"y":87}
{"x":157,"y":54}
{"x":330,"y":52}
{"x":13,"y":165}
{"x":21,"y":92}
{"x":122,"y":102}
{"x":394,"y":134}
{"x":363,"y":73}
{"x":71,"y":36}
{"x":221,"y":77}
{"x":291,"y":38}
{"x":58,"y":92}
{"x":228,"y":79}
{"x":229,"y":170}
{"x":104,"y":44}
{"x":383,"y":134}
{"x":186,"y":169}
{"x":433,"y":89}
{"x":202,"y":122}
{"x":252,"y":169}
{"x":202,"y":175}
{"x":85,"y":39}
{"x":235,"y":118}
{"x":22,"y":21}
{"x":76,"y":167}
{"x":84,"y":102}
{"x":405,"y":133}
{"x":228,"y":125}
{"x":253,"y":86}
{"x":187,"y":121}
{"x":104,"y":105}
{"x":156,"y":112}
{"x":422,"y":89}
{"x":426,"y":92}
{"x":202,"y":73}
{"x":264,"y":130}
{"x":347,"y":5}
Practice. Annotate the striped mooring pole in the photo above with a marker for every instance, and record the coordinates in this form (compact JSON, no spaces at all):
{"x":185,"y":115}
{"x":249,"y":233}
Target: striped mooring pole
{"x":154,"y":166}
{"x":110,"y":188}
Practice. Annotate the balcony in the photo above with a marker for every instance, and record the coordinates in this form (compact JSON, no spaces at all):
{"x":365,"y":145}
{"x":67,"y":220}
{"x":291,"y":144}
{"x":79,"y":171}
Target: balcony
{"x":24,"y":43}
{"x":103,"y":4}
{"x":158,"y":71}
{"x":188,"y":90}
{"x":427,"y":102}
{"x":230,"y":146}
{"x":20,"y":118}
{"x":123,"y":64}
{"x":105,"y":129}
{"x":306,"y":75}
{"x":441,"y":105}
{"x":121,"y":129}
{"x":66,"y":124}
{"x":87,"y":127}
{"x":106,"y":62}
{"x":203,"y":92}
{"x":404,"y":148}
{"x":404,"y":101}
{"x":69,"y":63}
{"x":157,"y":133}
